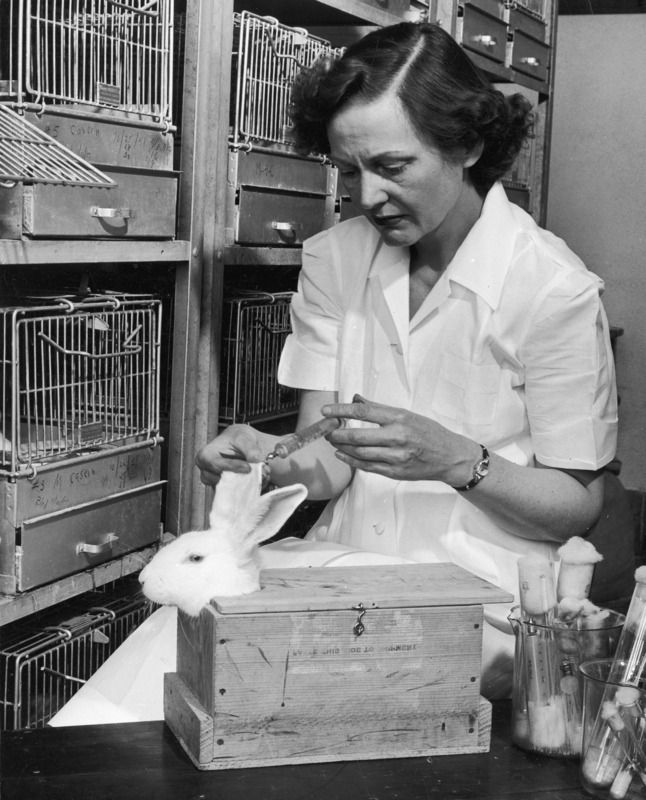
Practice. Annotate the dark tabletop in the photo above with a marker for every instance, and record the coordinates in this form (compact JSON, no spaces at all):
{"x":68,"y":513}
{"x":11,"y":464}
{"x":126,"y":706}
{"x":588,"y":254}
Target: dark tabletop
{"x":143,"y":761}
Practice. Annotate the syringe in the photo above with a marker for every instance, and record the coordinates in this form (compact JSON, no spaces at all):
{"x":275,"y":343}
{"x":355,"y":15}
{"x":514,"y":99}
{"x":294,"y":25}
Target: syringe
{"x":295,"y":441}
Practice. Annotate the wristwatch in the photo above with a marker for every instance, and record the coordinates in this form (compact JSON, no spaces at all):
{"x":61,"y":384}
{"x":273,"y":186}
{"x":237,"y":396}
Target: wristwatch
{"x":479,"y":471}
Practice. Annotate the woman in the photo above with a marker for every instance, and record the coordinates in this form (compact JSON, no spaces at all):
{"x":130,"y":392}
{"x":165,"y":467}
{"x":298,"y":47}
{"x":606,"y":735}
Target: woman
{"x":477,"y":341}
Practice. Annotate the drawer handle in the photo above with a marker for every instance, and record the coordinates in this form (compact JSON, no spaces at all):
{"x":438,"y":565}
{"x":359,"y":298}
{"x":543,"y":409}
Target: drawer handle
{"x":97,"y":549}
{"x":531,"y":61}
{"x":110,"y":213}
{"x":485,"y":39}
{"x":286,"y":230}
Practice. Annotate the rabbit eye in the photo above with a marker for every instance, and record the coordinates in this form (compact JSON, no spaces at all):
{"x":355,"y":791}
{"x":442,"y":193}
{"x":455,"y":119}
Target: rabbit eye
{"x":195,"y":558}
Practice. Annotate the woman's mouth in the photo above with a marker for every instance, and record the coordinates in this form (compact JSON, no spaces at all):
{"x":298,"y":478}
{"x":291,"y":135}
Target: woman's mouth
{"x":387,"y":221}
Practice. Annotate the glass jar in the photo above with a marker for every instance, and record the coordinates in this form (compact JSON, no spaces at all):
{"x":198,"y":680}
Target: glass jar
{"x":613,"y":757}
{"x":547,"y":688}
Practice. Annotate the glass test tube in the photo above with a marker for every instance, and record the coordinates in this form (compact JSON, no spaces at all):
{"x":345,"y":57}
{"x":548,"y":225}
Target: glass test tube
{"x":295,"y":441}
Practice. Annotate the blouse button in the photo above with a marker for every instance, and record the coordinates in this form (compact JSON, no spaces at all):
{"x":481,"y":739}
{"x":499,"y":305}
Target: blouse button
{"x":379,"y":528}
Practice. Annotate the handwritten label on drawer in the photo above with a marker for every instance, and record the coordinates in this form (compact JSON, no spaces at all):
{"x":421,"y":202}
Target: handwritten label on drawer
{"x":84,"y":481}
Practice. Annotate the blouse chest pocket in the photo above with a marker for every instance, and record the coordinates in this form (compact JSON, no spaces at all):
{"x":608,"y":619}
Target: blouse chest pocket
{"x":466,"y":392}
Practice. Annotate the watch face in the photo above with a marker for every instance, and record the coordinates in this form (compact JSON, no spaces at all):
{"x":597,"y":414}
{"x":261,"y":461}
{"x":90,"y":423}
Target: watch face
{"x":482,"y":470}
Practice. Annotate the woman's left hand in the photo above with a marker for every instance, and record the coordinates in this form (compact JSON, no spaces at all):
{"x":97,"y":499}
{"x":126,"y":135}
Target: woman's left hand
{"x":402,"y":445}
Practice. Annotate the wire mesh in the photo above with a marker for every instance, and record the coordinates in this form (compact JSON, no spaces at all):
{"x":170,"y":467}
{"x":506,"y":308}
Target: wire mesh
{"x":255,"y":327}
{"x":536,"y":7}
{"x":41,"y":668}
{"x":76,"y":375}
{"x":92,"y":52}
{"x":27,"y":154}
{"x":266,"y":58}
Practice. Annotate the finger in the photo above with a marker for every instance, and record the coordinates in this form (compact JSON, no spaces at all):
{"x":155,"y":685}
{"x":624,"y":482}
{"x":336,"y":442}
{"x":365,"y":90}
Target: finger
{"x":213,"y":463}
{"x":209,"y":478}
{"x":210,"y":473}
{"x":246,"y":448}
{"x":376,"y":467}
{"x":235,"y":462}
{"x":365,"y":437}
{"x":375,"y":454}
{"x":367,"y":412}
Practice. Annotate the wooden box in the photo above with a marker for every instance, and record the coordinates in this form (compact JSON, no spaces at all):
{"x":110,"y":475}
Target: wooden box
{"x":333,"y":664}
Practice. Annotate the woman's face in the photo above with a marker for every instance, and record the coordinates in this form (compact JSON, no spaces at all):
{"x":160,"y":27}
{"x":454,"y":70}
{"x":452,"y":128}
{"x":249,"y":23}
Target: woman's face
{"x":404,"y":186}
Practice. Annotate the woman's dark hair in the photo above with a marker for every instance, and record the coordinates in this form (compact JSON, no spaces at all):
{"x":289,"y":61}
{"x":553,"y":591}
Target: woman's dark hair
{"x":449,"y":102}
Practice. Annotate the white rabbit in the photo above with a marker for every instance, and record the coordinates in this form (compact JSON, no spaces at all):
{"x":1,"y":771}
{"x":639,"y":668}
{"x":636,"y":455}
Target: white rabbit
{"x":223,"y":560}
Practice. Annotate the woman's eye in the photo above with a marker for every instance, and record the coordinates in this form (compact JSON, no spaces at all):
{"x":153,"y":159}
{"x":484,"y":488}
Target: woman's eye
{"x":393,"y":170}
{"x":195,"y":558}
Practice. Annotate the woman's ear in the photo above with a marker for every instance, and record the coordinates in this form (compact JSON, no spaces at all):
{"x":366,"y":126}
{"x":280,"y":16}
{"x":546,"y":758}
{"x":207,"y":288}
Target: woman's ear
{"x":472,"y":156}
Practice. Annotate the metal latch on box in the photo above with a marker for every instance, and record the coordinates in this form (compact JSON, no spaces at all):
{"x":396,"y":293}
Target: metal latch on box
{"x":358,"y":628}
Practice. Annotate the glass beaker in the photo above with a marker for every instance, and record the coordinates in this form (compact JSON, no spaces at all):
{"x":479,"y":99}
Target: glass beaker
{"x":547,"y":687}
{"x":613,"y":762}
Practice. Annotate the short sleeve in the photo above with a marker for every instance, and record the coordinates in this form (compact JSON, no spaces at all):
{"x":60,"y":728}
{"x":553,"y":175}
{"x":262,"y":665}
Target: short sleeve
{"x":310,"y":356}
{"x":569,"y":377}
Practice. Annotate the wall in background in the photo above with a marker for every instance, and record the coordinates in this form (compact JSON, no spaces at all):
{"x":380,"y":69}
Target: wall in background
{"x":597,"y":191}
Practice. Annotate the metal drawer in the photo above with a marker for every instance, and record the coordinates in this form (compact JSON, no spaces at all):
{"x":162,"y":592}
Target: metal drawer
{"x":398,"y":7}
{"x":75,"y":482}
{"x":142,"y":205}
{"x":495,"y":8}
{"x":67,"y":486}
{"x":73,"y":540}
{"x":484,"y":33}
{"x":274,"y":218}
{"x":529,"y":56}
{"x":520,"y":20}
{"x":274,"y":171}
{"x":102,"y":141}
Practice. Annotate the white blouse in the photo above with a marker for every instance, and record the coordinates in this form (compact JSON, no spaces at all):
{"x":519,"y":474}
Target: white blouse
{"x":510,"y":348}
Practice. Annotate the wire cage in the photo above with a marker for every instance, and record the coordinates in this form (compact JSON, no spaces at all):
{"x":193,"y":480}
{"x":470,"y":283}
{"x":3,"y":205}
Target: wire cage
{"x":254,"y":329}
{"x":266,"y":58}
{"x":42,"y":667}
{"x":92,"y":53}
{"x":535,"y":7}
{"x":76,"y":375}
{"x":28,"y":154}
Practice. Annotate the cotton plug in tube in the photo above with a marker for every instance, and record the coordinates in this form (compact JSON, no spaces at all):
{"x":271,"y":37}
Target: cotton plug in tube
{"x":569,"y":609}
{"x":629,"y":664}
{"x":616,"y":755}
{"x":578,"y":559}
{"x":628,"y":732}
{"x":546,"y":709}
{"x":606,"y":755}
{"x":545,"y":706}
{"x":624,"y":734}
{"x":628,"y":707}
{"x":571,"y":694}
{"x":290,"y":444}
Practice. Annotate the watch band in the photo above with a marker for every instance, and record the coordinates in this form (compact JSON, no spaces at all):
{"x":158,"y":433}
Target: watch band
{"x":479,"y":471}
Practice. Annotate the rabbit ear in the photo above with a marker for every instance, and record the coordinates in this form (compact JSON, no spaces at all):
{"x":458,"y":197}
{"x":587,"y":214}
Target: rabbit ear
{"x":247,"y":517}
{"x":235,"y":495}
{"x":273,"y":509}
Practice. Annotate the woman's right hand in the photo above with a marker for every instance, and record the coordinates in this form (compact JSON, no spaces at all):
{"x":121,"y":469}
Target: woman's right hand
{"x":233,"y":450}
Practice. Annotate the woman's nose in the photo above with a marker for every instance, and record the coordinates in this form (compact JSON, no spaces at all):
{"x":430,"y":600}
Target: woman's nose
{"x":371,"y":192}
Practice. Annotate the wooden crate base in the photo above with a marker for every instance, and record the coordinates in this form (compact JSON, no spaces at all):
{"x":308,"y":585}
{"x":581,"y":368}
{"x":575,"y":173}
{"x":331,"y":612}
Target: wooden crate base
{"x":197,"y":732}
